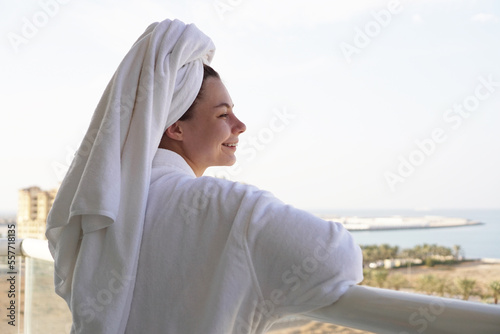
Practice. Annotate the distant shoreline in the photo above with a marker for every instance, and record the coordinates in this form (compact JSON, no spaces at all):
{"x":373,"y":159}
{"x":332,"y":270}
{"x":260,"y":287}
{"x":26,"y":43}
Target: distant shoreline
{"x":354,"y":224}
{"x":412,"y":227}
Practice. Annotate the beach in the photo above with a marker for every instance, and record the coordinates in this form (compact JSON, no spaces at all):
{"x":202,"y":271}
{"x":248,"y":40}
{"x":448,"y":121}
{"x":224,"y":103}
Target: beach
{"x":482,"y":272}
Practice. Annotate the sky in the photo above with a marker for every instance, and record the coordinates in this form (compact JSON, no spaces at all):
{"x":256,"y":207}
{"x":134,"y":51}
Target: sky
{"x":363,"y":105}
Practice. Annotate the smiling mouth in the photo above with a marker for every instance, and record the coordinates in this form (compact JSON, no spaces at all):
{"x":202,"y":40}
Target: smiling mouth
{"x":230,"y":145}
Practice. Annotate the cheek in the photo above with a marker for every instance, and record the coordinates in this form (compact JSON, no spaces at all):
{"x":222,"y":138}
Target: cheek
{"x":207,"y":141}
{"x":219,"y":134}
{"x":210,"y":137}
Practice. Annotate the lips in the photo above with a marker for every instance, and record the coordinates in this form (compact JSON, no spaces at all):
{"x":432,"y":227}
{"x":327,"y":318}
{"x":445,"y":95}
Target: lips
{"x":230,"y":144}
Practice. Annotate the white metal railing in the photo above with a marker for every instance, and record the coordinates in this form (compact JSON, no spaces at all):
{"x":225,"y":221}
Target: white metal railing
{"x":371,"y":309}
{"x":388,"y":311}
{"x":33,"y":305}
{"x":34,"y":248}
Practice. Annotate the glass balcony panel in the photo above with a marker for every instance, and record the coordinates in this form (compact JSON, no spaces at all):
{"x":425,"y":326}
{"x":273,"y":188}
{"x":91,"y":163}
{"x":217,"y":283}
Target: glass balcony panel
{"x":45,"y":312}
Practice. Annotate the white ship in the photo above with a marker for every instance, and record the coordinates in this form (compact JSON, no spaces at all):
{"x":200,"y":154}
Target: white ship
{"x":399,"y":222}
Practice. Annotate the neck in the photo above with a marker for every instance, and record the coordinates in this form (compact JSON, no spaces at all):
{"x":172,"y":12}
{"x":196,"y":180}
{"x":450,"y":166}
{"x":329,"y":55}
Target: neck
{"x":175,"y":146}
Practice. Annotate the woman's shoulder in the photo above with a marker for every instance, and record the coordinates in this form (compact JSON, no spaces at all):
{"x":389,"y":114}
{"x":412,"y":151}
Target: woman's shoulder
{"x":213,"y":186}
{"x":227,"y":195}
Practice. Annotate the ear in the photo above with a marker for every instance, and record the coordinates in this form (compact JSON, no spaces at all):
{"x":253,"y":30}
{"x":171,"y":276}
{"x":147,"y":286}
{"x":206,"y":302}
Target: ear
{"x":174,"y":131}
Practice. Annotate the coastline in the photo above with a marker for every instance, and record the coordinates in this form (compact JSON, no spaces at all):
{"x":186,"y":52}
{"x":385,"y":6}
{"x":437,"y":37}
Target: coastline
{"x":354,"y":223}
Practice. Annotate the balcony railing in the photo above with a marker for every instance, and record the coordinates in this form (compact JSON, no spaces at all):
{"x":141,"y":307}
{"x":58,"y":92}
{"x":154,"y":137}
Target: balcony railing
{"x":34,"y":306}
{"x":40,"y":310}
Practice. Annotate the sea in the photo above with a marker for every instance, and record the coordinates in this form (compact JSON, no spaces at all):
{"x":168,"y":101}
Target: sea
{"x":475,"y":241}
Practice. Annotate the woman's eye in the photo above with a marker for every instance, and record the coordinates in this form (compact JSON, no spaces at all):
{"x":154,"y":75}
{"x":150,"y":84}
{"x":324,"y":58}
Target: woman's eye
{"x":224,"y":115}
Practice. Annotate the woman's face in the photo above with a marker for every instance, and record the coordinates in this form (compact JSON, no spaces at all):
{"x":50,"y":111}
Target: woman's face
{"x":210,"y":136}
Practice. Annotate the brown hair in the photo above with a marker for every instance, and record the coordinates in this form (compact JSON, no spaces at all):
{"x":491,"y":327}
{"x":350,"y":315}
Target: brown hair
{"x":208,"y":72}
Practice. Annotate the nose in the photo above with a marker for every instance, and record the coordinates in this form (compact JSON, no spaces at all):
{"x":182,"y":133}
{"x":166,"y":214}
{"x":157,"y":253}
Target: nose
{"x":239,"y":126}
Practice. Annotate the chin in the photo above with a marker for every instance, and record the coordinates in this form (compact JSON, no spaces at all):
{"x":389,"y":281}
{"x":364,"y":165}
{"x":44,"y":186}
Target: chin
{"x":228,"y":162}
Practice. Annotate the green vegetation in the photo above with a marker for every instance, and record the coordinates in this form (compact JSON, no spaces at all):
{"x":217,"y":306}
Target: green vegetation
{"x":495,"y":287}
{"x":426,"y":283}
{"x":397,"y":281}
{"x":466,"y":287}
{"x":430,"y":284}
{"x":380,"y":260}
{"x":379,"y":277}
{"x":430,"y":255}
{"x":374,"y":253}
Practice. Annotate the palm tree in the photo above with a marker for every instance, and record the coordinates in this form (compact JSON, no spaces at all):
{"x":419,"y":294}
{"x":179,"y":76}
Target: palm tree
{"x":426,"y":283}
{"x":442,"y":286}
{"x":367,"y":277}
{"x":396,"y":281}
{"x":495,"y":286}
{"x":374,"y":253}
{"x":379,"y":276}
{"x":456,"y":251}
{"x":466,"y":287}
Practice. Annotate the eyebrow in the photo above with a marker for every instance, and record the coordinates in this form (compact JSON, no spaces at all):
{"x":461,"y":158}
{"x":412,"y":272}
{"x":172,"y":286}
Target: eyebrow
{"x":224,"y":104}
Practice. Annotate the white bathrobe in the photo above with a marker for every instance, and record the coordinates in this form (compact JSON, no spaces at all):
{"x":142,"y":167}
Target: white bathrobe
{"x":223,"y":257}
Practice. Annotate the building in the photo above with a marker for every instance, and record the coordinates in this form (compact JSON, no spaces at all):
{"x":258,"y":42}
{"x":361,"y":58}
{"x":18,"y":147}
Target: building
{"x":33,"y":208}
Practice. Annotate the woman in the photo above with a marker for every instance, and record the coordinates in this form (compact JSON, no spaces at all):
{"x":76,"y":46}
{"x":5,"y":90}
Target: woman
{"x":143,"y":242}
